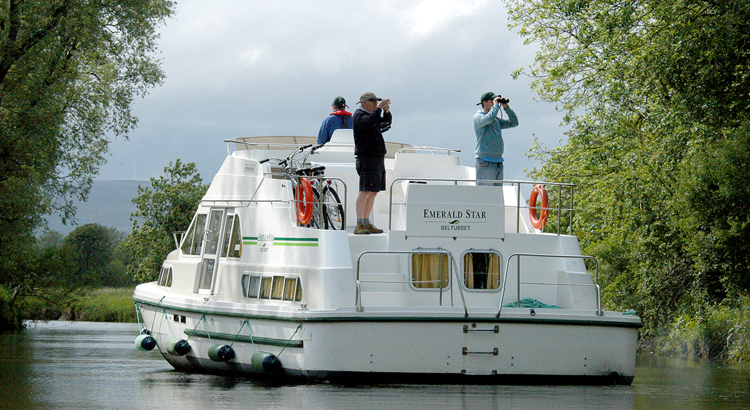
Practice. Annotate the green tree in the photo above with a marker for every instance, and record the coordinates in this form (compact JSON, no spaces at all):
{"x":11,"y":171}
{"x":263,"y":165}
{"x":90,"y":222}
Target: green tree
{"x":92,"y":249}
{"x":655,"y":94}
{"x":49,"y":239}
{"x":165,"y":208}
{"x":69,"y":70}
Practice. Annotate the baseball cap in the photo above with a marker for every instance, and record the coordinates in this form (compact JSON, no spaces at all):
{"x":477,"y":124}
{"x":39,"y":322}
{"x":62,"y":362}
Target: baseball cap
{"x":339,"y":102}
{"x":367,"y":97}
{"x":487,"y":96}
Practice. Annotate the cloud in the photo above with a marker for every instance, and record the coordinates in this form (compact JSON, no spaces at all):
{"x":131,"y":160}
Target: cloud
{"x":429,"y":16}
{"x":240,"y":68}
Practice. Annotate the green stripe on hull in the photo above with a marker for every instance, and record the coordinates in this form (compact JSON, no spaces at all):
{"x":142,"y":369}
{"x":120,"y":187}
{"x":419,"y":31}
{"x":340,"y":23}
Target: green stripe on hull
{"x":414,"y":319}
{"x":245,"y":339}
{"x":281,"y":241}
{"x":294,"y":244}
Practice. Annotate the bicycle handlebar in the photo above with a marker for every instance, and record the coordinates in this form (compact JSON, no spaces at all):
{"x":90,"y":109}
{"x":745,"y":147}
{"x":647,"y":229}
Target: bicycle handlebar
{"x":290,"y":158}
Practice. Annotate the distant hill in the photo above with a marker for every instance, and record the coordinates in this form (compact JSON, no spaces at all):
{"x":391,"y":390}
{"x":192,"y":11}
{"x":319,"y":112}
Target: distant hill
{"x":109,"y":204}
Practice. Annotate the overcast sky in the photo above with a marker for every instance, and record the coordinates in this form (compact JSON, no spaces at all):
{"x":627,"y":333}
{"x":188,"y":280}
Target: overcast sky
{"x":238,"y":68}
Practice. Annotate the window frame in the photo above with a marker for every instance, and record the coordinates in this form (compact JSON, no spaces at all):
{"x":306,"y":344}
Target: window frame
{"x":281,"y":288}
{"x":421,"y":252}
{"x":187,"y":239}
{"x":500,"y":270}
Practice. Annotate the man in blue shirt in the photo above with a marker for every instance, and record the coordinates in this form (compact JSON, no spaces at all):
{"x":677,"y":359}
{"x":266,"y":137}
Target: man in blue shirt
{"x":339,"y":118}
{"x":488,"y":129}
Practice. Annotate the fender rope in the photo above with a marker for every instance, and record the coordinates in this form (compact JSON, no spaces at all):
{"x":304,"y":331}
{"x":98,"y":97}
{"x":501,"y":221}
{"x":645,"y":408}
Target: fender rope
{"x":287,"y":343}
{"x":238,"y":334}
{"x":196,"y":327}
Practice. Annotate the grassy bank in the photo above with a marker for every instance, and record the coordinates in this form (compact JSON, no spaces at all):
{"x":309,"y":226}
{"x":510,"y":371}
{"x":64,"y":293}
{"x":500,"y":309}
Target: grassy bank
{"x":720,"y":334}
{"x":96,"y":305}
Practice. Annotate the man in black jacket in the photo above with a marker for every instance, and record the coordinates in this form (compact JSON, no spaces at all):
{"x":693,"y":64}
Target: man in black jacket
{"x":371,"y":119}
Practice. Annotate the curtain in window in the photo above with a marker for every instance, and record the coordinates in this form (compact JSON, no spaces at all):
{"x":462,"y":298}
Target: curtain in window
{"x":426,"y":270}
{"x":469,"y":270}
{"x":493,"y":272}
{"x":481,"y":270}
{"x":290,"y":285}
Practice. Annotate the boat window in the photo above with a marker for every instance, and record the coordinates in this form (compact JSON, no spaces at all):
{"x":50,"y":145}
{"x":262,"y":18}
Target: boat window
{"x":212,"y":233}
{"x":207,"y":273}
{"x":278,"y":287}
{"x":227,"y":235}
{"x":265,"y":287}
{"x":165,"y":276}
{"x":430,"y":270}
{"x":232,"y":246}
{"x":193,"y":240}
{"x":298,"y":295}
{"x":482,"y":270}
{"x":290,"y":286}
{"x":250,"y":286}
{"x":272,"y":287}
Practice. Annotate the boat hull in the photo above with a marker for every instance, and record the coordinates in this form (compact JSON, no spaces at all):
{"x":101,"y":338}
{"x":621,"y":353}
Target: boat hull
{"x":437,"y":347}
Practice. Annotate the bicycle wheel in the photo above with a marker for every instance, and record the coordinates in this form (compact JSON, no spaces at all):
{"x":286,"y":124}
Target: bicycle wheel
{"x":318,"y":220}
{"x":332,"y":209}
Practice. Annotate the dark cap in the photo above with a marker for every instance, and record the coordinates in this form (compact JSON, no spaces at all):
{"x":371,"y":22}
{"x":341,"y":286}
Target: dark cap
{"x":368,"y":96}
{"x":339,"y":102}
{"x":487,"y":96}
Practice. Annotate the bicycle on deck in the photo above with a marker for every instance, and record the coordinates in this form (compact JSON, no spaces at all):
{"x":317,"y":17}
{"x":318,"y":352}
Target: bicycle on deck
{"x":317,"y":199}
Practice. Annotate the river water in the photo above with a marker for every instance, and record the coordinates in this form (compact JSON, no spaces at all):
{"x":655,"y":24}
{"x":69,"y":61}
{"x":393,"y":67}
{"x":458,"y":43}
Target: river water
{"x":80,"y":365}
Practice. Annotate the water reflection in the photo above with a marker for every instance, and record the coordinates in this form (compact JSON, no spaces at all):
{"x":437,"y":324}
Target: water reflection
{"x":673,"y":383}
{"x":64,"y":365}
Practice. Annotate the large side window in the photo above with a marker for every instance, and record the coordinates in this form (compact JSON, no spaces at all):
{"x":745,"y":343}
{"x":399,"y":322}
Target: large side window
{"x":482,"y":270}
{"x":165,"y":276}
{"x":287,"y":288}
{"x":192,"y":243}
{"x":232,"y":238}
{"x":212,"y":233}
{"x":430,"y":270}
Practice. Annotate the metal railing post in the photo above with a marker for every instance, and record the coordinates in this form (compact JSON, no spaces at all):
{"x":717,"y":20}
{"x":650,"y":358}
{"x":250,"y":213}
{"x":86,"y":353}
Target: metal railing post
{"x":453,"y":267}
{"x":599,"y":311}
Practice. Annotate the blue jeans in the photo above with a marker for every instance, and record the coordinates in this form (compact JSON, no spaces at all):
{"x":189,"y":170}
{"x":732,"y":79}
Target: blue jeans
{"x":487,"y":170}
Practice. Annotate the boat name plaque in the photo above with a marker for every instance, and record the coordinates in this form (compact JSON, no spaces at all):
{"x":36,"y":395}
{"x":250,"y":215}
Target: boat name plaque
{"x":455,"y":211}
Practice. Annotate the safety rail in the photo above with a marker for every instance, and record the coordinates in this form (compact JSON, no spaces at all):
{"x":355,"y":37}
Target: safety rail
{"x":295,"y":180}
{"x":599,"y":311}
{"x":560,"y":186}
{"x":431,"y":149}
{"x":453,"y":268}
{"x":294,"y":142}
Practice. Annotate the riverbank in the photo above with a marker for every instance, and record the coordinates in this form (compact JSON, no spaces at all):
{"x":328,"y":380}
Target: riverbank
{"x":97,"y":305}
{"x":720,"y":334}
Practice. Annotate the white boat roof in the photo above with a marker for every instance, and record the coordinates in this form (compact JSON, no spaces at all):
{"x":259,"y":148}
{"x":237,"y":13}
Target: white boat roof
{"x":340,"y":139}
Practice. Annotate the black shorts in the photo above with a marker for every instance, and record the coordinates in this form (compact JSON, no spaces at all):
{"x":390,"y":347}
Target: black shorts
{"x":371,"y":171}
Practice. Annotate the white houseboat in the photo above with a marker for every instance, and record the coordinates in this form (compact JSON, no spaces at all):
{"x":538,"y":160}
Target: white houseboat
{"x":465,"y":284}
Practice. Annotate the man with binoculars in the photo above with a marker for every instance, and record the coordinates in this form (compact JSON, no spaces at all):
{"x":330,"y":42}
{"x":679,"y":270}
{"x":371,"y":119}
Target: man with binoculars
{"x":488,"y":129}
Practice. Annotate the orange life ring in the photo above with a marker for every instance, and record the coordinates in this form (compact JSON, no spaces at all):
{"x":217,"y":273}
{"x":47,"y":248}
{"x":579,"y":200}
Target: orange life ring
{"x":304,"y":197}
{"x":538,"y":223}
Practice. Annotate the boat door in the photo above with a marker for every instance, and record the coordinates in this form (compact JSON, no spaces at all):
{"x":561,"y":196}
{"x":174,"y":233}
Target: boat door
{"x":210,"y":258}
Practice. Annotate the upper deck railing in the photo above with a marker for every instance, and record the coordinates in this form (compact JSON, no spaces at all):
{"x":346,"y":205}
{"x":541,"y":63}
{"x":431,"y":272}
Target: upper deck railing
{"x":563,"y":192}
{"x":561,"y":195}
